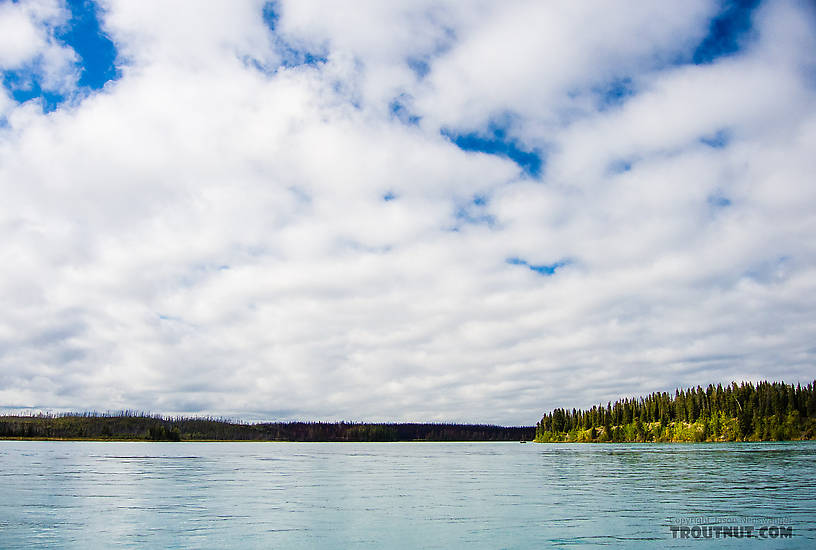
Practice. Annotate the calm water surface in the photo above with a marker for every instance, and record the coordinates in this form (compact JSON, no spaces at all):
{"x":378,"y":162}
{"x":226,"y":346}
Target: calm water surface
{"x":399,"y":495}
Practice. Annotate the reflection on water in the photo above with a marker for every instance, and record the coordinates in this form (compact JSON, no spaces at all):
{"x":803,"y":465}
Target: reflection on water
{"x":396,"y":495}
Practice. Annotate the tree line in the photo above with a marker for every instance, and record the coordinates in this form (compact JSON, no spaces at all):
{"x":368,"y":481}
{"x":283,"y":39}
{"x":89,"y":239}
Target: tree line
{"x":128,"y":425}
{"x":746,"y":412}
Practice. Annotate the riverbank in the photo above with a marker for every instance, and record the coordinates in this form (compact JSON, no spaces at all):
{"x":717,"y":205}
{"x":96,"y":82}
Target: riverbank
{"x":702,"y":431}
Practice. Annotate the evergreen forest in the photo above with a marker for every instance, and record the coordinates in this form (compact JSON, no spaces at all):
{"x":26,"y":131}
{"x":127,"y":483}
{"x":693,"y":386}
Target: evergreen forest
{"x":767,"y":411}
{"x":129,"y":425}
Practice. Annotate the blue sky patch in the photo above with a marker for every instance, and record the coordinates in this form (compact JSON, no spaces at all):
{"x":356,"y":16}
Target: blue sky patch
{"x":772,"y":270}
{"x":496,"y":142}
{"x":474,"y":217}
{"x":24,"y":85}
{"x":293,"y":56}
{"x":718,"y":201}
{"x":400,"y":111}
{"x":547,"y":270}
{"x":474,"y":212}
{"x":480,"y":200}
{"x":614,"y":93}
{"x":727,"y":31}
{"x":619,"y":166}
{"x":271,"y":15}
{"x":96,"y":55}
{"x":96,"y":51}
{"x":420,"y":67}
{"x":719,"y":140}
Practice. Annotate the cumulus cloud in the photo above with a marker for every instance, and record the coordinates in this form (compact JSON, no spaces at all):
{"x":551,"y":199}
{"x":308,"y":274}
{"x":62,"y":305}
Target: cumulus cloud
{"x":287,"y":210}
{"x":30,"y":55}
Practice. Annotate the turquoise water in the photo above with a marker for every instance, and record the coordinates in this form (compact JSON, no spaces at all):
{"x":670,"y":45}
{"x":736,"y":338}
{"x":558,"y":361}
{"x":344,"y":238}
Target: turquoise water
{"x":400,"y":495}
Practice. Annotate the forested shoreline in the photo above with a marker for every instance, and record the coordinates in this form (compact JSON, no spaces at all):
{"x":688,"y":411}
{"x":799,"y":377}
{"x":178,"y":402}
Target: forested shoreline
{"x":769,"y":411}
{"x":129,"y":426}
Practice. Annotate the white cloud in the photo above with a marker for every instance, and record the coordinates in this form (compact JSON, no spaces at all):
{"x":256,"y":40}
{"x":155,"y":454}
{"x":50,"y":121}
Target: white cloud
{"x":27,"y":44}
{"x":539,"y":61}
{"x":210,"y":233}
{"x":186,"y":33}
{"x":20,"y":36}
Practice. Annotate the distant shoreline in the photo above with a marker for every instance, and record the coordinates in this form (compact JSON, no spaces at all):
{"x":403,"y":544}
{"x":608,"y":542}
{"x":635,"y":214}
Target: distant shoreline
{"x":144,"y":427}
{"x":136,"y":440}
{"x":142,"y":440}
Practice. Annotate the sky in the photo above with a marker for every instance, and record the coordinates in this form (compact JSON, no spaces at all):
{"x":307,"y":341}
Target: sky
{"x":402,"y":211}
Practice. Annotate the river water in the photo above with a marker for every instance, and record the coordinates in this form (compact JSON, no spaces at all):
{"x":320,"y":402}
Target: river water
{"x":406,"y":495}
